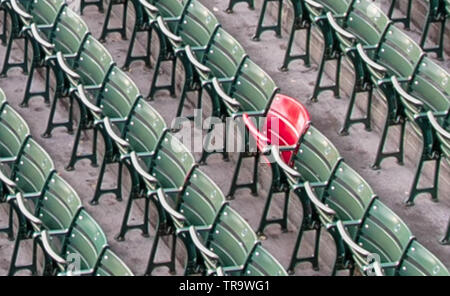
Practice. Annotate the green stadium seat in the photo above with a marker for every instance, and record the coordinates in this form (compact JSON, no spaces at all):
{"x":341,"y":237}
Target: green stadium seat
{"x":364,"y":23}
{"x":116,"y":99}
{"x":22,"y":14}
{"x":111,"y":265}
{"x":171,"y":12}
{"x":197,"y":205}
{"x":227,"y":242}
{"x":443,"y":136}
{"x":427,"y":90}
{"x":301,"y":22}
{"x":396,"y":55}
{"x":14,"y":132}
{"x":389,"y":243}
{"x":66,"y":35}
{"x":170,"y":166}
{"x":262,"y":263}
{"x":194,"y":33}
{"x":78,"y":250}
{"x":28,"y":177}
{"x":316,"y":162}
{"x":251,"y":91}
{"x":90,"y":67}
{"x":331,"y":52}
{"x":346,"y":197}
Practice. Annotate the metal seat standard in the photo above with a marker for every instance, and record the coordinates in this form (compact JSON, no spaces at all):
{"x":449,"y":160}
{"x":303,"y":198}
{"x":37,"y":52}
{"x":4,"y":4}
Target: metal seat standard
{"x":86,"y":3}
{"x":438,"y":12}
{"x":406,"y":20}
{"x":232,"y":3}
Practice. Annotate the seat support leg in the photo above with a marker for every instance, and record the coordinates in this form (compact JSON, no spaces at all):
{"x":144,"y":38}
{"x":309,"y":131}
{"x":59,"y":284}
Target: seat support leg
{"x":7,"y":64}
{"x":297,"y":25}
{"x":138,"y":28}
{"x":406,"y":20}
{"x":251,"y":5}
{"x":85,"y":3}
{"x":253,"y":184}
{"x":260,"y":28}
{"x":171,"y":86}
{"x":366,"y":120}
{"x":446,"y":239}
{"x":265,"y":221}
{"x":123,"y":28}
{"x":334,"y":87}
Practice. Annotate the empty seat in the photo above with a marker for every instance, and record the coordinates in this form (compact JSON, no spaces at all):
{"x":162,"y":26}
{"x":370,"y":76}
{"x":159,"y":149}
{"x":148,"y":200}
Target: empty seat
{"x":427,"y":90}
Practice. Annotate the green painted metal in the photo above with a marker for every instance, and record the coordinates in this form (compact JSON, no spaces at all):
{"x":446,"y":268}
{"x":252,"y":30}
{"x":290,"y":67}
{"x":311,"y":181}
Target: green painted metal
{"x":251,"y":5}
{"x":317,"y":161}
{"x":331,"y":51}
{"x":262,"y":263}
{"x":437,"y":13}
{"x":301,"y":22}
{"x":123,"y":27}
{"x":406,"y":20}
{"x":260,"y":27}
{"x":85,"y":3}
{"x":419,"y":261}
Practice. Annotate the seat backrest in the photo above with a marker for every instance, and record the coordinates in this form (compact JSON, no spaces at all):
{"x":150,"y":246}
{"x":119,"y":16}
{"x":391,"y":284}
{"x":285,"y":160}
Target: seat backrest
{"x":431,"y":84}
{"x":168,"y":9}
{"x":316,"y":158}
{"x":111,"y":265}
{"x":348,"y":194}
{"x":398,"y":52}
{"x":334,"y":6}
{"x":224,"y":55}
{"x":119,"y":94}
{"x":69,"y":32}
{"x":144,"y":128}
{"x":172,"y":162}
{"x":32,"y":168}
{"x":94,"y":62}
{"x":367,"y":21}
{"x":197,"y":25}
{"x":383,"y":233}
{"x":201,"y":199}
{"x":231,"y":238}
{"x":44,"y":12}
{"x":58,"y":205}
{"x":262,"y":263}
{"x":86,"y":239}
{"x":419,"y":261}
{"x":253,"y":88}
{"x":14,"y":131}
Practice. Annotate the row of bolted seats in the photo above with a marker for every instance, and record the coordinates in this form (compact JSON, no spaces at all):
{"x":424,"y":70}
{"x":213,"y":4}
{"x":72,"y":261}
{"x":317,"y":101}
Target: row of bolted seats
{"x":385,"y":59}
{"x":190,"y":206}
{"x":333,"y":195}
{"x":49,"y":211}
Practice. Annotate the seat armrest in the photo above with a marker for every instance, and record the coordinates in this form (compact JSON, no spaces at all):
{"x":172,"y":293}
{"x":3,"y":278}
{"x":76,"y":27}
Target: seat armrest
{"x":165,"y":30}
{"x":319,"y":204}
{"x":275,"y":150}
{"x":62,"y":63}
{"x":349,"y":241}
{"x":15,"y":6}
{"x":399,"y":89}
{"x":229,"y":100}
{"x":368,"y":60}
{"x":112,"y":134}
{"x":23,"y":209}
{"x":191,"y":57}
{"x":162,"y":199}
{"x":44,"y":43}
{"x":339,"y":29}
{"x":437,"y":126}
{"x":7,"y":181}
{"x":140,"y":170}
{"x":45,"y":238}
{"x":83,"y":97}
{"x":198,"y":244}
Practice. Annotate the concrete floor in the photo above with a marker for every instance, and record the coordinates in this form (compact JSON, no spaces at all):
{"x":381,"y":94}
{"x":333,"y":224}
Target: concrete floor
{"x":426,"y":219}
